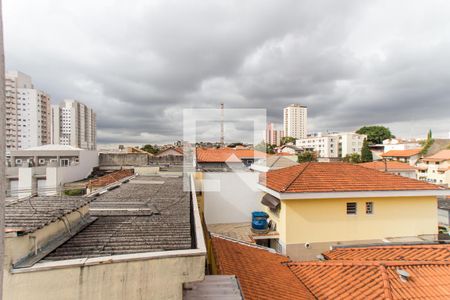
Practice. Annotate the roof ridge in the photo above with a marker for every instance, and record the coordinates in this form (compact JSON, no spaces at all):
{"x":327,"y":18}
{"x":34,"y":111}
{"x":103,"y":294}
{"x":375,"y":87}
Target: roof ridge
{"x":297,"y":176}
{"x":386,"y":283}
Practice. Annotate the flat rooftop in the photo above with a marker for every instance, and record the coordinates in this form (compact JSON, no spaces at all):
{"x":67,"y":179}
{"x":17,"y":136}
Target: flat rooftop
{"x":145,"y":214}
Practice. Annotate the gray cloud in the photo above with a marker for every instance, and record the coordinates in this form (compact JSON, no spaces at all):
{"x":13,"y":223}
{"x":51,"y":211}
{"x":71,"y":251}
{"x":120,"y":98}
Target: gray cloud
{"x":138,"y":64}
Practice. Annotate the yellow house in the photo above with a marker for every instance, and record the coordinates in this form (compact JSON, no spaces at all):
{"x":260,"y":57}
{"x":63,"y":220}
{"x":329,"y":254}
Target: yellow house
{"x":317,"y":205}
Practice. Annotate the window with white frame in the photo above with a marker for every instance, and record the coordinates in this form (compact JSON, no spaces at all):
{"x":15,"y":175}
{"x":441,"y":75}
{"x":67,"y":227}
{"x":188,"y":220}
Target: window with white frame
{"x":351,"y":208}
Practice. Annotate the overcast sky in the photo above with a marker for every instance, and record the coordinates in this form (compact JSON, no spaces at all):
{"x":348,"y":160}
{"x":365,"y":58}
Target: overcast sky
{"x":139,"y":63}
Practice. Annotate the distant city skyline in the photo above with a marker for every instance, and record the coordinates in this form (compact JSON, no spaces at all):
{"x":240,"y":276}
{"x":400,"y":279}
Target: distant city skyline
{"x":338,"y":59}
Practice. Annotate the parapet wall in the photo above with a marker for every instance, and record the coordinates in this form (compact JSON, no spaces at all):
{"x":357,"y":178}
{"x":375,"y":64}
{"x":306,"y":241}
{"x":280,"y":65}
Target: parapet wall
{"x":135,"y":159}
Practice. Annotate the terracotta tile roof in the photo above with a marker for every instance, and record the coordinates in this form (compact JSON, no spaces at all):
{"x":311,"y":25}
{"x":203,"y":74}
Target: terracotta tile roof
{"x":226,"y":154}
{"x":432,"y":252}
{"x":337,"y":177}
{"x":391,"y":165}
{"x":440,"y":156}
{"x":261,"y":274}
{"x":401,"y":153}
{"x":110,"y":178}
{"x":374,"y":280}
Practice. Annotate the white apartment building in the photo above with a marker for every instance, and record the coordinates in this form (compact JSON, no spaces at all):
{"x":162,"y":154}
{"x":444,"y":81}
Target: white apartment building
{"x":27,"y":113}
{"x":74,"y":124}
{"x":295,"y":121}
{"x":333,"y":145}
{"x":273,"y":136}
{"x":396,"y":144}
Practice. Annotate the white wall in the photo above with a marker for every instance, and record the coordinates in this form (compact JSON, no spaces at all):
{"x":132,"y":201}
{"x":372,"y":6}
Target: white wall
{"x":57,"y":176}
{"x":230,"y":197}
{"x":443,"y":217}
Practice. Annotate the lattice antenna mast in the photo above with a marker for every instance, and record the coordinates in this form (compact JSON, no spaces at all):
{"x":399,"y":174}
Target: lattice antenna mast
{"x":222,"y":130}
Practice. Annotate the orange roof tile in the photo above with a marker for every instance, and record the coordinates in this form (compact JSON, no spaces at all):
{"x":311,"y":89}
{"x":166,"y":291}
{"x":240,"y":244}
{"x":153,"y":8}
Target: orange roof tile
{"x":401,"y":153}
{"x":374,"y":280}
{"x":391,"y":165}
{"x":337,"y":177}
{"x":440,"y":156}
{"x":225,"y":154}
{"x":261,"y":274}
{"x":432,"y":252}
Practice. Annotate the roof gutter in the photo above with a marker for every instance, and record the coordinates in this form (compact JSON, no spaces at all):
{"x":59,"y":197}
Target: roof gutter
{"x":355,"y":194}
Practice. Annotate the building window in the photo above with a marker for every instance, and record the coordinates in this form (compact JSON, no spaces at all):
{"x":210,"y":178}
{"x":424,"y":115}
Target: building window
{"x":18,"y":161}
{"x":369,"y":208}
{"x":41,"y":161}
{"x":64,"y":162}
{"x":351,"y":208}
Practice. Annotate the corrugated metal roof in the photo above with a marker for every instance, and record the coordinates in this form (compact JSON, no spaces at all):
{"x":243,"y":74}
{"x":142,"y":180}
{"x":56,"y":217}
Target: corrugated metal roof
{"x":165,"y":225}
{"x":31,"y":214}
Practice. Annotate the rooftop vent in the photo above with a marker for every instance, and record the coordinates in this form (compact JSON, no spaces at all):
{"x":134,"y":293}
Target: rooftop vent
{"x":320,"y":257}
{"x":404,"y":276}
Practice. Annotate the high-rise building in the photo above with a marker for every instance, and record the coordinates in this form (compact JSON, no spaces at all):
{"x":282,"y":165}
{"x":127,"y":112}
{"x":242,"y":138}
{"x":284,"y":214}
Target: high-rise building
{"x":273,"y":136}
{"x":27,"y":113}
{"x":295,"y":117}
{"x":74,"y":124}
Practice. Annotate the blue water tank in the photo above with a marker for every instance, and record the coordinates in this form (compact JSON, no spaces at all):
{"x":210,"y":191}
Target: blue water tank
{"x":259,"y":220}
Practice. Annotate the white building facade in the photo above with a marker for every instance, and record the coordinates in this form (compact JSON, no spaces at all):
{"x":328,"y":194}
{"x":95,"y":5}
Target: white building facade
{"x":333,"y":145}
{"x":74,"y":124}
{"x":27,"y":113}
{"x":295,"y":121}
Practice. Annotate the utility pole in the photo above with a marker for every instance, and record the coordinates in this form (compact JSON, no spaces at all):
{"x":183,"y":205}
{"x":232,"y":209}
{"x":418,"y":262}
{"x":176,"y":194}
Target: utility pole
{"x":2,"y":151}
{"x":222,"y":131}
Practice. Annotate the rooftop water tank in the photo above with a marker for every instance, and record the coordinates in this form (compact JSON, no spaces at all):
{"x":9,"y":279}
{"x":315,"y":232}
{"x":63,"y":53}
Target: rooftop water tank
{"x":259,"y":221}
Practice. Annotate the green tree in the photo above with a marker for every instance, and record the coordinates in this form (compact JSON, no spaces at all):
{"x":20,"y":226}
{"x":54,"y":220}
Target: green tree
{"x":267,"y":148}
{"x":376,"y":134}
{"x":366,"y":154}
{"x":150,"y":149}
{"x":306,"y":156}
{"x":353,"y":158}
{"x":428,"y":142}
{"x":287,"y":139}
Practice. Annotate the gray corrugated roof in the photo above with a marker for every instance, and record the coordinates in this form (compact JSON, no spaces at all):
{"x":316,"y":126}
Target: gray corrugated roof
{"x":163,"y":225}
{"x":29,"y":215}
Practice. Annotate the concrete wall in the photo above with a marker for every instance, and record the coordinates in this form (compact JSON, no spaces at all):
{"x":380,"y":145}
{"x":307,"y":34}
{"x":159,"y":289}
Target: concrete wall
{"x":135,"y":159}
{"x":230,"y":197}
{"x":144,"y":279}
{"x":444,"y":217}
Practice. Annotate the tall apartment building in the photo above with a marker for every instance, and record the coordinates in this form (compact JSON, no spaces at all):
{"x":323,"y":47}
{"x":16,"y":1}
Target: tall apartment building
{"x":333,"y":145}
{"x":273,"y":136}
{"x":74,"y":124}
{"x":27,"y":113}
{"x":295,"y":117}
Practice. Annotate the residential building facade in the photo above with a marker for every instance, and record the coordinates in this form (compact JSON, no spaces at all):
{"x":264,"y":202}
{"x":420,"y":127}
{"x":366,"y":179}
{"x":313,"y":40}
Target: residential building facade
{"x":350,"y":204}
{"x":409,"y":156}
{"x":333,"y":145}
{"x":393,"y":167}
{"x":273,"y":136}
{"x":27,"y":113}
{"x":43,"y":170}
{"x":74,"y":124}
{"x":295,"y":121}
{"x":435,"y":168}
